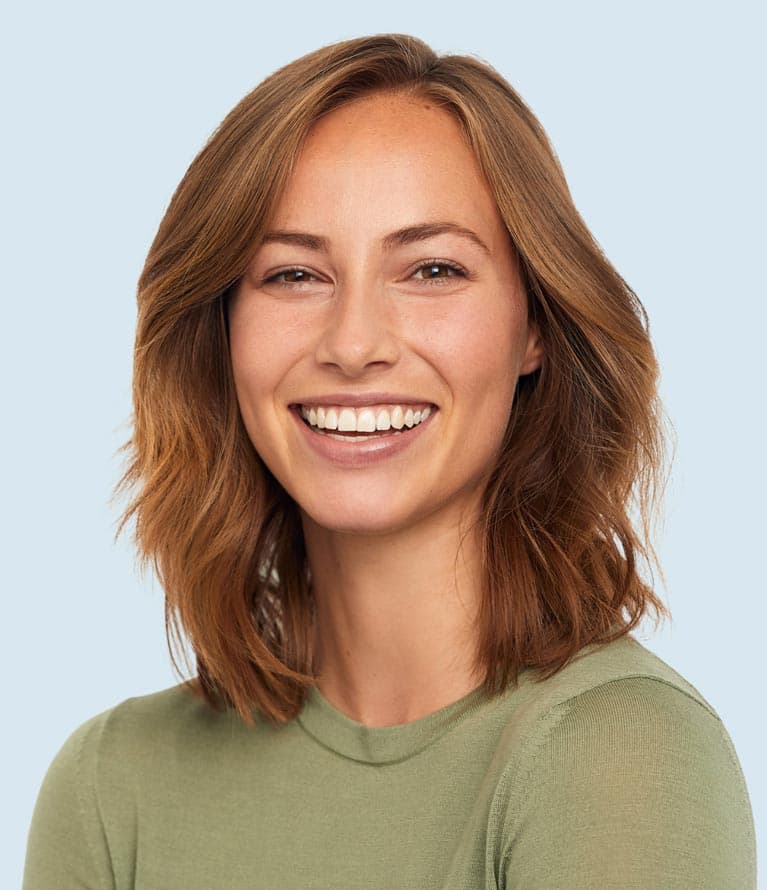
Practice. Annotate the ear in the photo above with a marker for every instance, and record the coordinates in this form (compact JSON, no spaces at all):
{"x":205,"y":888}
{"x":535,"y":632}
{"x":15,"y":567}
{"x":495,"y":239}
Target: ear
{"x":533,"y":357}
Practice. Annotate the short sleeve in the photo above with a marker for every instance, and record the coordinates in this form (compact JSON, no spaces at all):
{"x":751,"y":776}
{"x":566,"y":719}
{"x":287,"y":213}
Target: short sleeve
{"x":637,"y":785}
{"x":67,"y":848}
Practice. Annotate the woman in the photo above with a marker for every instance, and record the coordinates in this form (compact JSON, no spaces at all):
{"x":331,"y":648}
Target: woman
{"x":391,"y":406}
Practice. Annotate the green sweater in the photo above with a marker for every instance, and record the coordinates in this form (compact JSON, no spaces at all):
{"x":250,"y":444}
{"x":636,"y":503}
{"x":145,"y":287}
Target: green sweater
{"x":614,"y":773}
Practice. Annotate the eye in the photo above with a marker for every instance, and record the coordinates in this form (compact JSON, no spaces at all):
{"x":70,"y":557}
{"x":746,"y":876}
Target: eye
{"x":438,"y":270}
{"x":290,"y":277}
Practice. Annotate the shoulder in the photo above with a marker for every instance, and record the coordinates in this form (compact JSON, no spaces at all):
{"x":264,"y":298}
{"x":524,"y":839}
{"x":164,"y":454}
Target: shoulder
{"x":599,"y":664}
{"x":640,"y":729}
{"x":85,"y":814}
{"x":620,"y":758}
{"x":121,"y":733}
{"x":139,"y":717}
{"x":617,"y":705}
{"x":124,"y":754}
{"x":623,"y":677}
{"x":137,"y":742}
{"x":144,"y":731}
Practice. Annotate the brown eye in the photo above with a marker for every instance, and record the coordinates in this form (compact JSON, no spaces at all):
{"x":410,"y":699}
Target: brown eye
{"x":433,"y":271}
{"x":290,"y":276}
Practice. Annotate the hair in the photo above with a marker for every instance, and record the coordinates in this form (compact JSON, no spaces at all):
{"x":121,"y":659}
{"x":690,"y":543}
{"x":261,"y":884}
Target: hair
{"x":584,"y":444}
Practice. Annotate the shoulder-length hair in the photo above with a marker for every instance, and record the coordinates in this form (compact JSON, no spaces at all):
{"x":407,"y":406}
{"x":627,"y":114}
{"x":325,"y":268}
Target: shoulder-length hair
{"x":584,"y":443}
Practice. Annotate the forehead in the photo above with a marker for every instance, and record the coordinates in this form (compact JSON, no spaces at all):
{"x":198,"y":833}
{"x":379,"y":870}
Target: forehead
{"x":387,"y":158}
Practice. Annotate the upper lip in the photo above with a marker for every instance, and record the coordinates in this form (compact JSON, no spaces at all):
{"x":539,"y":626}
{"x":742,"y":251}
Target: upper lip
{"x":361,"y":400}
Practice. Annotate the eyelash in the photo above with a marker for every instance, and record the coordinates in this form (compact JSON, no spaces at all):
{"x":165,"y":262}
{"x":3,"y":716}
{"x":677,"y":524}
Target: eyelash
{"x":459,"y":272}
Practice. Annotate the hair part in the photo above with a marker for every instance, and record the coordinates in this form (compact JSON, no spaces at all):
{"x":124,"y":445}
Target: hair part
{"x":584,"y":444}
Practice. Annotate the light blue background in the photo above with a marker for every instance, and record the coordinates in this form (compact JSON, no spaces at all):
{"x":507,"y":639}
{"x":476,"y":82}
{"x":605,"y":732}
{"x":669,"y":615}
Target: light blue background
{"x":656,"y":112}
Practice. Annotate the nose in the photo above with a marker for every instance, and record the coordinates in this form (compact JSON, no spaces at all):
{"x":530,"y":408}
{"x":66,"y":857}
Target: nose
{"x":358,"y":332}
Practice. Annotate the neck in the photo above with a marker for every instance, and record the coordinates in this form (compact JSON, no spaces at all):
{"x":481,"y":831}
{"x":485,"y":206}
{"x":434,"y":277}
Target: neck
{"x":394,"y":636}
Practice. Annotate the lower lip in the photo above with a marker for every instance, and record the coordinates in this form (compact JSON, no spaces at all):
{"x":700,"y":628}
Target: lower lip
{"x":364,"y":452}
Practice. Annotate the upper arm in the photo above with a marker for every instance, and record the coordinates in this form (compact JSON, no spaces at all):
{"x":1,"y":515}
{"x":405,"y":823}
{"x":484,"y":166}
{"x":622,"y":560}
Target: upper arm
{"x":66,"y":847}
{"x":637,"y":785}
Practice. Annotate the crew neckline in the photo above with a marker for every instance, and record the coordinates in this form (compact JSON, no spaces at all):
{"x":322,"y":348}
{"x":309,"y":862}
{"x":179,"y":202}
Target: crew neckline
{"x":381,"y":744}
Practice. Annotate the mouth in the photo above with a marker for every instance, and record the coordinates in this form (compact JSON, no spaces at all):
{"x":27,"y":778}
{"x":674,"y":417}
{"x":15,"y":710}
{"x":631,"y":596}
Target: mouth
{"x":347,"y":424}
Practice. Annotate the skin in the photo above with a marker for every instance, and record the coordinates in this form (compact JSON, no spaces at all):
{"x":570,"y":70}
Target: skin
{"x":393,"y":557}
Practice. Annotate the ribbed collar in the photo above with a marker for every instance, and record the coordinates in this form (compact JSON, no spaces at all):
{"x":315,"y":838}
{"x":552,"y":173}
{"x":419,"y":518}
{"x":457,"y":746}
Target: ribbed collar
{"x":381,"y":744}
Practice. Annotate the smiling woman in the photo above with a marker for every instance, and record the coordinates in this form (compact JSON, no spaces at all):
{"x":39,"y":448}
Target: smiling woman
{"x":385,"y":321}
{"x":392,"y":405}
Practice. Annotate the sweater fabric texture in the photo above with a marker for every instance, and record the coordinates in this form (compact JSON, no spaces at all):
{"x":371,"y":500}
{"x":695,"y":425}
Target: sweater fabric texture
{"x":613,"y":773}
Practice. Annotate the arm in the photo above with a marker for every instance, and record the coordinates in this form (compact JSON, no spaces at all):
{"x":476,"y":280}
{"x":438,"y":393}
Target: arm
{"x":636,"y":786}
{"x":67,"y":847}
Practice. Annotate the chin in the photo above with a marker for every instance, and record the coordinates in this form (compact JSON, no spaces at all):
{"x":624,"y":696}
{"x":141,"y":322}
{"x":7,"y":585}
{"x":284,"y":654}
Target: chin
{"x":363,"y":519}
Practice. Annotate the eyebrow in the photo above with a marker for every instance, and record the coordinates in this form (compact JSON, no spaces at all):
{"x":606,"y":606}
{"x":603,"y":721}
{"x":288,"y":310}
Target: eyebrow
{"x":406,"y":235}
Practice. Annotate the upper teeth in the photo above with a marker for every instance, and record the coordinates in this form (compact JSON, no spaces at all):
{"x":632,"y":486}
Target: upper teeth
{"x":363,"y":420}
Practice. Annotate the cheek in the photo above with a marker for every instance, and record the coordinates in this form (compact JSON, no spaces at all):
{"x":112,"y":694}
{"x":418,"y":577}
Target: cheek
{"x":257,"y":355}
{"x":261,"y":352}
{"x":479,"y":349}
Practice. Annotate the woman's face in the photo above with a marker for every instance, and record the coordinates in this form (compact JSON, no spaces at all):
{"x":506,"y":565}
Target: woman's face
{"x":386,"y":291}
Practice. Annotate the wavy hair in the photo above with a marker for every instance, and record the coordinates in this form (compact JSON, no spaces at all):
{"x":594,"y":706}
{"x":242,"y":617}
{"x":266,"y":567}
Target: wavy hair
{"x":584,"y":445}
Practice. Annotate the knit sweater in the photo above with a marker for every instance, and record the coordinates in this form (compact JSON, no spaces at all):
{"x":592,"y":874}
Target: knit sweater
{"x":613,"y":773}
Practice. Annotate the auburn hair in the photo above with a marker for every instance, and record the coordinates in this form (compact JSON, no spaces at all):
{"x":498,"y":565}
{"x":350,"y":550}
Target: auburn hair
{"x":584,"y":443}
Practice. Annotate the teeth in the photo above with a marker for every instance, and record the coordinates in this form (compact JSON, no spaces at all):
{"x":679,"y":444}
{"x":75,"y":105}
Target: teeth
{"x":364,"y":420}
{"x":383,"y":421}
